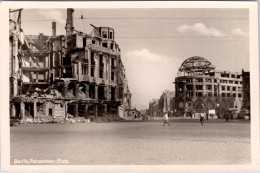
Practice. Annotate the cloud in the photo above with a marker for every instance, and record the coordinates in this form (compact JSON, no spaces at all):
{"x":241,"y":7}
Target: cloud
{"x":237,"y":32}
{"x":146,"y":55}
{"x":201,"y":29}
{"x":53,"y":15}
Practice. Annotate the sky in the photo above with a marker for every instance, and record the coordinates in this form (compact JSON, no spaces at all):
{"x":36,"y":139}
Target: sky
{"x":155,"y":42}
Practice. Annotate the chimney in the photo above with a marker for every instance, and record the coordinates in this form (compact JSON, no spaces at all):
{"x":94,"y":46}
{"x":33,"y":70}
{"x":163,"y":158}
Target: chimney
{"x":69,"y":23}
{"x":40,"y":37}
{"x":53,"y":28}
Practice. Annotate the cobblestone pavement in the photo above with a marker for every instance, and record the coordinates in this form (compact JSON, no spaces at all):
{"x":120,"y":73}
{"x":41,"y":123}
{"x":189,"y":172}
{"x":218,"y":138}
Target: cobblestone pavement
{"x":138,"y":143}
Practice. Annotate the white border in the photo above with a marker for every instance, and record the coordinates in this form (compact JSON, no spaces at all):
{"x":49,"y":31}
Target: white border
{"x":254,"y":72}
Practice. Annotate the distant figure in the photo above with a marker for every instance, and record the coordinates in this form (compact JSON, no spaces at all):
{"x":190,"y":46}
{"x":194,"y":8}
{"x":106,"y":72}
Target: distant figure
{"x":202,"y":118}
{"x":166,"y":119}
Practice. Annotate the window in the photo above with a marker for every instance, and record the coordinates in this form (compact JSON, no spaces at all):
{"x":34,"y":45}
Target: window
{"x":215,"y":80}
{"x":113,"y":61}
{"x":234,"y":95}
{"x":84,"y":69}
{"x":84,"y":41}
{"x":200,"y":80}
{"x":104,"y":45}
{"x":92,"y":71}
{"x":112,"y":75}
{"x":239,"y":95}
{"x":104,"y":34}
{"x":199,"y":87}
{"x":199,"y":94}
{"x":93,"y":42}
{"x":223,"y":88}
{"x":111,"y":35}
{"x":100,"y":60}
{"x":231,"y":82}
{"x":228,"y":95}
{"x":101,"y":73}
{"x":112,"y":46}
{"x":92,"y":59}
{"x":236,"y":82}
{"x":234,"y":88}
{"x":223,"y":94}
{"x":228,"y":88}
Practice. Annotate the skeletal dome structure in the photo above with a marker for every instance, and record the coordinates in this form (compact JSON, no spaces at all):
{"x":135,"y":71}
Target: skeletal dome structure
{"x":196,"y":65}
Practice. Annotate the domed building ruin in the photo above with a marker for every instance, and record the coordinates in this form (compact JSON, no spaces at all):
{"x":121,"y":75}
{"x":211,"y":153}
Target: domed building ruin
{"x":198,"y":83}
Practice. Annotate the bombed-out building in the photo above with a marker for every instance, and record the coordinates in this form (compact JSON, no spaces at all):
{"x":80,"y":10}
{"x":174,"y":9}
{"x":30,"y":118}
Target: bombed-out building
{"x":72,"y":75}
{"x":198,"y":83}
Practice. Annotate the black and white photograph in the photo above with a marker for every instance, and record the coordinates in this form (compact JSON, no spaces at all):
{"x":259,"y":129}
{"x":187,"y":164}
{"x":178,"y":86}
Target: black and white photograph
{"x":133,"y":86}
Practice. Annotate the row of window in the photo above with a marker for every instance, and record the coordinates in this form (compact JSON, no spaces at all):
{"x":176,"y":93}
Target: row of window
{"x":215,"y":81}
{"x":209,"y":94}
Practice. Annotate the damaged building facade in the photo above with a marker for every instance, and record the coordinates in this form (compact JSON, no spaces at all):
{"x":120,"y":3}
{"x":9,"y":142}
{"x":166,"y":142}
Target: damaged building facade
{"x":198,"y":83}
{"x":76,"y":75}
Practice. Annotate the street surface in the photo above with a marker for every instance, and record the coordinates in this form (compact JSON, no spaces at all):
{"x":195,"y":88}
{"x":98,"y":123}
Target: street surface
{"x":185,"y":142}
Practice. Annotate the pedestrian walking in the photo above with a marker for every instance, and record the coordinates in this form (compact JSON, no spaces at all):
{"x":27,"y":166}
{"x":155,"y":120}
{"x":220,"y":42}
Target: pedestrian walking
{"x":166,"y":119}
{"x":202,"y":118}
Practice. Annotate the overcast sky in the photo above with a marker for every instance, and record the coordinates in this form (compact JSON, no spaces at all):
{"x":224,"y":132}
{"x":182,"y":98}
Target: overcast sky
{"x":154,"y":42}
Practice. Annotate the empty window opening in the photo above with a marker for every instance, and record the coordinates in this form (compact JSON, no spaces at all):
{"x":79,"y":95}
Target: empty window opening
{"x":111,"y":35}
{"x":104,"y":45}
{"x":112,"y":75}
{"x":92,"y":91}
{"x":92,"y":70}
{"x":66,"y":61}
{"x":50,"y":112}
{"x":104,"y":34}
{"x":84,"y":41}
{"x":67,"y":72}
{"x":113,"y":61}
{"x":93,"y":42}
{"x":101,"y":93}
{"x":223,"y":94}
{"x":199,"y":94}
{"x":72,"y":88}
{"x":101,"y":73}
{"x":101,"y":61}
{"x":113,"y":93}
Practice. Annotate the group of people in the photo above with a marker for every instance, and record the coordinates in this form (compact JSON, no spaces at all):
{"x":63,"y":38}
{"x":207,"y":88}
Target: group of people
{"x":166,"y":118}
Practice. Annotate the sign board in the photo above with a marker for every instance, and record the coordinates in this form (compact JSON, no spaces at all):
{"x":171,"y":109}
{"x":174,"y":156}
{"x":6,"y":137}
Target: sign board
{"x":212,"y":112}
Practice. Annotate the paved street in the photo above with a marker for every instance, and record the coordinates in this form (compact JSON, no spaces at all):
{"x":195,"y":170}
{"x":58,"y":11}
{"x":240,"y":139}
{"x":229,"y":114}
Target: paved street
{"x":138,"y":143}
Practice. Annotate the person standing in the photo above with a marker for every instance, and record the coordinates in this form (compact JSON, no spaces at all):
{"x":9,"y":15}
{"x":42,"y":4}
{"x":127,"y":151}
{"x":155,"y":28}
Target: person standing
{"x":166,"y":119}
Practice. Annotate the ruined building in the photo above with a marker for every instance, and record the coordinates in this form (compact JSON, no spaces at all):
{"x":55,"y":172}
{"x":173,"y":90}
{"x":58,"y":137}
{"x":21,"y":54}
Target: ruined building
{"x":58,"y":76}
{"x":199,"y":83}
{"x":246,"y":92}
